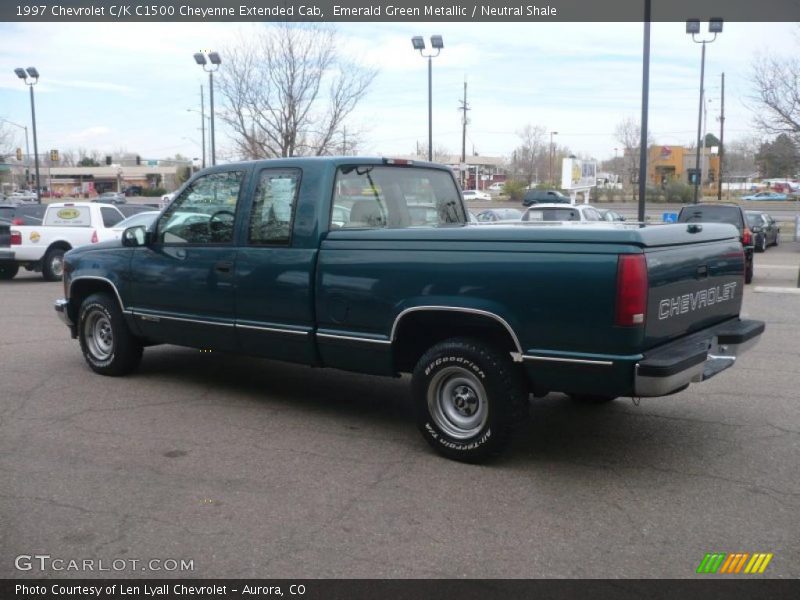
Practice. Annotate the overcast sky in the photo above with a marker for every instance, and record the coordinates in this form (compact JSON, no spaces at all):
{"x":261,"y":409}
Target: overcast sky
{"x":110,"y":86}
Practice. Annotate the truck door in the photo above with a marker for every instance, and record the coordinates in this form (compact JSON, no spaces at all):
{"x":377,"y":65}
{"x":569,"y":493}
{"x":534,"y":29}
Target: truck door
{"x":274,"y":273}
{"x":183,"y":282}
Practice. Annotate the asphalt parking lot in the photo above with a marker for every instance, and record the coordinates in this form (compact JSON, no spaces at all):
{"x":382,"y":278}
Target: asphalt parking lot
{"x":251,"y":468}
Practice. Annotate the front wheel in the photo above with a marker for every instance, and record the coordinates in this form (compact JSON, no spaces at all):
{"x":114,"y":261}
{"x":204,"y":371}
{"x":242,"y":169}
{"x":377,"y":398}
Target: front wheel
{"x":468,"y":397}
{"x":106,"y":342}
{"x":762,"y":245}
{"x":8,"y":271}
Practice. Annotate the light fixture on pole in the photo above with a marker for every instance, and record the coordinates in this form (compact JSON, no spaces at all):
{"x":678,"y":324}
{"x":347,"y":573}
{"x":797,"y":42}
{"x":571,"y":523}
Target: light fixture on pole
{"x":552,"y":150}
{"x":32,"y":74}
{"x":693,"y":28}
{"x":437,"y":44}
{"x":210,"y":66}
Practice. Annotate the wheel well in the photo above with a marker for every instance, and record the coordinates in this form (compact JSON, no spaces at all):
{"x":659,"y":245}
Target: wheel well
{"x":59,"y":246}
{"x":83,"y":288}
{"x":418,"y":331}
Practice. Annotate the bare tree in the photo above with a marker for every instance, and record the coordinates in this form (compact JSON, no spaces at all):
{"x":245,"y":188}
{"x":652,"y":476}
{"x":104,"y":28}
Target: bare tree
{"x":777,"y":102}
{"x":629,"y":135}
{"x":529,"y":156}
{"x":287,"y":92}
{"x":7,"y":139}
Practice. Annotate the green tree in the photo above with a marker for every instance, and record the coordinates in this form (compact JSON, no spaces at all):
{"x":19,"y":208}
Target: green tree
{"x":88,"y":161}
{"x":779,"y":158}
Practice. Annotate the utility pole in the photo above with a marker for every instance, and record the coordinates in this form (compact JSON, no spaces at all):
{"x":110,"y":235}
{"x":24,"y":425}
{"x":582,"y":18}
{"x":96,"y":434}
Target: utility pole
{"x":721,"y":139}
{"x":344,"y":141}
{"x":203,"y":123}
{"x":464,"y":108}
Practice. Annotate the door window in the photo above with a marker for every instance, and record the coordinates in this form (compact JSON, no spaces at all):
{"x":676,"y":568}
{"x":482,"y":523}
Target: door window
{"x":204,"y":213}
{"x":111,"y":216}
{"x":273,"y":206}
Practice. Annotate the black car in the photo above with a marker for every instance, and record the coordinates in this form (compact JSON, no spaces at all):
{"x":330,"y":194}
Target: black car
{"x":765,"y":229}
{"x":724,"y":213}
{"x":544,"y":197}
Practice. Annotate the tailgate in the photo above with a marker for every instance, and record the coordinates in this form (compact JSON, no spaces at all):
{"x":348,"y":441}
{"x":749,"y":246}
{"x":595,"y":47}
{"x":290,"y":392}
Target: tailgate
{"x":692,"y":287}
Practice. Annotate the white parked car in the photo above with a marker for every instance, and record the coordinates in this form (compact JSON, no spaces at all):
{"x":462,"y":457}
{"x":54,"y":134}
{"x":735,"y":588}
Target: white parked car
{"x":145,"y":218}
{"x":475,"y":195}
{"x":497,"y":187}
{"x":23,"y":197}
{"x":562,"y":212}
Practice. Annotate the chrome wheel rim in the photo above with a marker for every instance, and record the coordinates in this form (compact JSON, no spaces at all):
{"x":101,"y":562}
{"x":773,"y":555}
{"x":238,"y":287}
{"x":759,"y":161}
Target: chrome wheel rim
{"x":98,"y":335}
{"x":57,"y":266}
{"x":457,"y":402}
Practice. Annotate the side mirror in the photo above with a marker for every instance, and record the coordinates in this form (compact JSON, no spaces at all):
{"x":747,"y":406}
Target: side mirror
{"x":135,"y":236}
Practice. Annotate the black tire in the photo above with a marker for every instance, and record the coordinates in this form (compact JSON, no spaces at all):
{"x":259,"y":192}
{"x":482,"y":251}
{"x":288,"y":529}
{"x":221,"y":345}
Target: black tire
{"x":748,"y":271}
{"x":762,"y":245}
{"x":106,"y":342}
{"x":53,"y":264}
{"x":468,"y":397}
{"x":592,"y":398}
{"x":8,"y":271}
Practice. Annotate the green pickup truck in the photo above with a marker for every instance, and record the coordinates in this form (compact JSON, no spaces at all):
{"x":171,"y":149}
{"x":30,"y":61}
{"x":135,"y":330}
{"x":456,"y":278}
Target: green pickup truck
{"x":371,"y":265}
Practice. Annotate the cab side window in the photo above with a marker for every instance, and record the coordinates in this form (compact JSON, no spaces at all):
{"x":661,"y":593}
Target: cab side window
{"x":274,"y":206}
{"x":205,"y":211}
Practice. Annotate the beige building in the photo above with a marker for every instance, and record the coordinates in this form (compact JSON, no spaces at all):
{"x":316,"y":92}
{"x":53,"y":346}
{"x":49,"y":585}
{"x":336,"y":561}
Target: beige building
{"x":73,"y":181}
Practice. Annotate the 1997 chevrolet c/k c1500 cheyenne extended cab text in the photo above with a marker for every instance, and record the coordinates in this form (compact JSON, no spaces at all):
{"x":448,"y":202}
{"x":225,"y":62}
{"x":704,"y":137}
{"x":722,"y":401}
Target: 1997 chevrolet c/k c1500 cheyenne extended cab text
{"x":370,"y":265}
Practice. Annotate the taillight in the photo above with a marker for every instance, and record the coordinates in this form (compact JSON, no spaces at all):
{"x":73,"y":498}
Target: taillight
{"x":94,"y":236}
{"x":17,"y":221}
{"x":16,"y":238}
{"x":747,"y":237}
{"x":631,"y":290}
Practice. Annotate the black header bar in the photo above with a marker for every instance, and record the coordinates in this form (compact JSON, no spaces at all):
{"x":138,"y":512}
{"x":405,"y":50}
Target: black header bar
{"x":400,"y":11}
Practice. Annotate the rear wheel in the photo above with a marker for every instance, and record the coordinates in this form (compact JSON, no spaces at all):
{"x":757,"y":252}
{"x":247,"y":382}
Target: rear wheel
{"x":8,"y":271}
{"x":106,"y":342}
{"x":468,"y":398}
{"x":53,"y":264}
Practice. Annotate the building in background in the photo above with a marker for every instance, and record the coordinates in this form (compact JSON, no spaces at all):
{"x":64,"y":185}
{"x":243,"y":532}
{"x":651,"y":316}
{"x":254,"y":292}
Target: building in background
{"x":673,"y":163}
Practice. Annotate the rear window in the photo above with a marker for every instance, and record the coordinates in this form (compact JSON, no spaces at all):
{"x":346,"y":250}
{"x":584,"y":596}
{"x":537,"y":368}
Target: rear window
{"x":69,"y":216}
{"x":551,"y":214}
{"x":383,"y":197}
{"x":711,"y":214}
{"x":754,"y":219}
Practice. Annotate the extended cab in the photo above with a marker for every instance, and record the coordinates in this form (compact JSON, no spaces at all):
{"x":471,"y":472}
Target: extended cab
{"x":370,"y":265}
{"x":65,"y":225}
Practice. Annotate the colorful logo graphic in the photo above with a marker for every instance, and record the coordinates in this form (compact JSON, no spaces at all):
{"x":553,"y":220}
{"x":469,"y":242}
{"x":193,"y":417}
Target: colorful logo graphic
{"x":734,"y":563}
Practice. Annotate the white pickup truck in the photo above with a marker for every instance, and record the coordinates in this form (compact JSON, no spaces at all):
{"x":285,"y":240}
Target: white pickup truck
{"x":66,"y":225}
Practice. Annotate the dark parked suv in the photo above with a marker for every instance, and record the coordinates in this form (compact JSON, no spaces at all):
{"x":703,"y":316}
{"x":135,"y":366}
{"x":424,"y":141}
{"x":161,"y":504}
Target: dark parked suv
{"x":544,"y":197}
{"x":724,"y":213}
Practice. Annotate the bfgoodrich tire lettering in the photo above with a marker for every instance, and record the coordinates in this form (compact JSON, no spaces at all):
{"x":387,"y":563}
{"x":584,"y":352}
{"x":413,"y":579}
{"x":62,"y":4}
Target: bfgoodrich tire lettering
{"x":468,"y":397}
{"x":106,"y":342}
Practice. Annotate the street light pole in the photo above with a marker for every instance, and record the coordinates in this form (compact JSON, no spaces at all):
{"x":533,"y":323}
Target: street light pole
{"x":203,"y":124}
{"x":693,"y":28}
{"x":215,"y":62}
{"x":437,"y":44}
{"x":33,"y":74}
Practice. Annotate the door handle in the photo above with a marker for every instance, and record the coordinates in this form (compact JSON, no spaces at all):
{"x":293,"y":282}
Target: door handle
{"x":223,"y":266}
